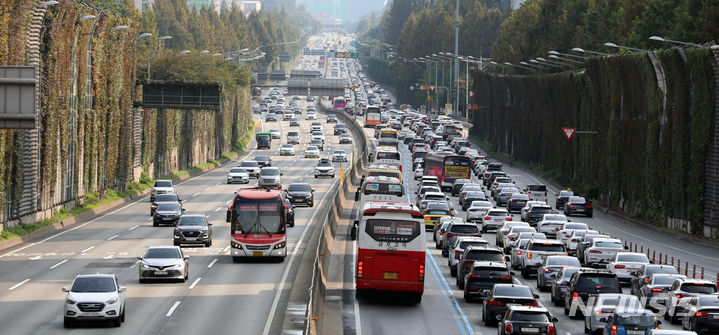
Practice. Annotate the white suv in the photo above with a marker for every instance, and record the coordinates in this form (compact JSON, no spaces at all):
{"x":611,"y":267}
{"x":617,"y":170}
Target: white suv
{"x":162,"y":186}
{"x":94,"y":297}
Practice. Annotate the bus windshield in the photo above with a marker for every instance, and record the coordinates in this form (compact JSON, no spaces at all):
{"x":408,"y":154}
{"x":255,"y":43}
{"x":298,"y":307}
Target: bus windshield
{"x":258,"y":216}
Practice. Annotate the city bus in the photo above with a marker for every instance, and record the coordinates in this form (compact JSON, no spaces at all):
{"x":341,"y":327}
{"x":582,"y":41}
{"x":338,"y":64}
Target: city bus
{"x":388,"y":137}
{"x":447,"y":167}
{"x":339,"y":104}
{"x":372,"y":116}
{"x":256,"y":92}
{"x":380,"y":188}
{"x":390,"y":250}
{"x":258,"y":224}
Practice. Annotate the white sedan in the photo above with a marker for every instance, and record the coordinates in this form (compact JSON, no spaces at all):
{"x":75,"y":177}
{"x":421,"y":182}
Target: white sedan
{"x":339,"y":156}
{"x":418,"y":173}
{"x":312,"y":151}
{"x":477,"y":209}
{"x":624,"y":263}
{"x":287,"y":149}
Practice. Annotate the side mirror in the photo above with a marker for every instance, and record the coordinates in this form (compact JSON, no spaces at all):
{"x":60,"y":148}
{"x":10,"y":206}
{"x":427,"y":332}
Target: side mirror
{"x":353,"y":231}
{"x":651,"y":262}
{"x":185,"y":257}
{"x":553,"y":275}
{"x":626,"y":247}
{"x":66,"y":289}
{"x":209,"y":223}
{"x":123,"y":288}
{"x":183,"y":210}
{"x":555,"y":319}
{"x":512,"y":273}
{"x":282,"y":174}
{"x":603,"y":320}
{"x":498,"y":317}
{"x":507,"y":259}
{"x":229,"y":216}
{"x":658,"y":322}
{"x":536,"y":296}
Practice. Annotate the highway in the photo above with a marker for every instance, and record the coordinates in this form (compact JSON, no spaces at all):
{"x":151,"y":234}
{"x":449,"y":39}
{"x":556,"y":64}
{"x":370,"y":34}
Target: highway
{"x":219,"y":296}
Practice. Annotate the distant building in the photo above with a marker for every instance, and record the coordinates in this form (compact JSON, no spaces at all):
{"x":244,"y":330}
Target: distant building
{"x":199,"y":3}
{"x":143,"y":5}
{"x":246,"y":7}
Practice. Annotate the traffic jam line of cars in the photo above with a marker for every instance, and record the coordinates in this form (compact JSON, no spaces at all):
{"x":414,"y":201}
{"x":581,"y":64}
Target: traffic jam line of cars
{"x":583,"y":270}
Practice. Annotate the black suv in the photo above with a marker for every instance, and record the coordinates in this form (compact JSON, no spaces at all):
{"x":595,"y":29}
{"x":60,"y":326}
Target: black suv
{"x":517,"y":319}
{"x":193,"y":229}
{"x":503,"y":295}
{"x":641,"y":276}
{"x":586,"y":282}
{"x":340,"y":129}
{"x":483,"y":277}
{"x":474,"y":254}
{"x":300,"y":193}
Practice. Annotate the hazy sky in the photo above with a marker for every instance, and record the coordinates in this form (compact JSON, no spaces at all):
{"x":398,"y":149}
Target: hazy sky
{"x":347,"y":10}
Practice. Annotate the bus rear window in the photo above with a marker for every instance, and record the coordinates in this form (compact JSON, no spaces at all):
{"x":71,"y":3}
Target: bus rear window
{"x":457,"y":161}
{"x":383,"y":188}
{"x":392,"y":230}
{"x":388,"y":155}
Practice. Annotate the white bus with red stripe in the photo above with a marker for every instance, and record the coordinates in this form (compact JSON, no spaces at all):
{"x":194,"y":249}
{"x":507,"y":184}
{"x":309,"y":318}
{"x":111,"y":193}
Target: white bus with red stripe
{"x":390,"y":249}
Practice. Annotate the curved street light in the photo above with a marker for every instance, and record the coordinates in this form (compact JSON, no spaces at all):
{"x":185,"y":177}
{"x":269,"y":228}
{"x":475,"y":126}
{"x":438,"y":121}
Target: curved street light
{"x":590,"y":52}
{"x":554,"y":52}
{"x":84,"y":18}
{"x":42,"y":4}
{"x":662,"y":39}
{"x":612,"y":45}
{"x":565,"y":59}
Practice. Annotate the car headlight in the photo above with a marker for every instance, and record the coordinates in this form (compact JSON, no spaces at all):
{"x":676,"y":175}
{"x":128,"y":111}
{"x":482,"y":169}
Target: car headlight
{"x":70,"y":301}
{"x":174,"y":266}
{"x":289,"y":196}
{"x":280,"y":245}
{"x":112,"y":301}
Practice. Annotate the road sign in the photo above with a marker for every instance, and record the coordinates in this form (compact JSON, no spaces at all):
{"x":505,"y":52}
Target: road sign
{"x":568,"y":132}
{"x":448,"y":106}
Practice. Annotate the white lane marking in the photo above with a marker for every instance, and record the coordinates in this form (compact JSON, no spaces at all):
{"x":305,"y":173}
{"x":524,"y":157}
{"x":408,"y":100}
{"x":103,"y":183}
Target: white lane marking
{"x":112,"y":237}
{"x":59,"y":263}
{"x":172,"y":309}
{"x":194,"y":283}
{"x":207,"y":188}
{"x":88,"y":249}
{"x":212,"y":263}
{"x":133,"y":265}
{"x":133,"y":227}
{"x":358,"y":323}
{"x":218,"y":209}
{"x":36,"y":257}
{"x":225,"y":249}
{"x":18,"y":284}
{"x":108,"y":257}
{"x":228,"y":201}
{"x":276,"y":300}
{"x":150,"y":218}
{"x":196,"y":194}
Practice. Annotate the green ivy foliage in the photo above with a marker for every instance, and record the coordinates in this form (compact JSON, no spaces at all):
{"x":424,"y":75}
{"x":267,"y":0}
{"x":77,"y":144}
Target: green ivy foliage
{"x":647,"y":160}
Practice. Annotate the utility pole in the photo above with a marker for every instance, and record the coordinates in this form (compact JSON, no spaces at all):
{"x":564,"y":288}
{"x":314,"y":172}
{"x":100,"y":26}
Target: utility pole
{"x":456,"y":53}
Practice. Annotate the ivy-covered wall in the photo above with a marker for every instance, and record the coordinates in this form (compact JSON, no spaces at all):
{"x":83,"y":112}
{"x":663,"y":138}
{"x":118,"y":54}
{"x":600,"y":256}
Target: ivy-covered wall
{"x":647,"y":160}
{"x":97,"y":124}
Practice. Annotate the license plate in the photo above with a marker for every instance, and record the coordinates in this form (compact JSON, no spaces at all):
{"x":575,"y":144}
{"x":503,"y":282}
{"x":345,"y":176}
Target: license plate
{"x":257,"y":253}
{"x":92,"y":313}
{"x":160,"y":273}
{"x":530,"y":330}
{"x":635,"y":332}
{"x":390,"y":275}
{"x":582,"y":210}
{"x":167,"y":219}
{"x":510,"y":305}
{"x":715,"y":316}
{"x":555,"y":230}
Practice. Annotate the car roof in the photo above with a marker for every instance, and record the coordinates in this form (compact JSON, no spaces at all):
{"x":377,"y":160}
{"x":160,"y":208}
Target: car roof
{"x":164,"y":247}
{"x":546,"y":240}
{"x":96,"y":275}
{"x":529,"y":309}
{"x":193,"y":216}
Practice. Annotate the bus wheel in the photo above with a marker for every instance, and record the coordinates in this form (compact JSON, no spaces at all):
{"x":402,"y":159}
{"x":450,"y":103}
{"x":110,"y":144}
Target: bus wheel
{"x":235,"y":259}
{"x":417,"y":299}
{"x":281,"y":259}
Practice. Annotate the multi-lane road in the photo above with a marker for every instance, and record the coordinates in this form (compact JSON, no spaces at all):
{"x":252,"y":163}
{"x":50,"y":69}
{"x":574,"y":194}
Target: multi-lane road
{"x":219,"y":297}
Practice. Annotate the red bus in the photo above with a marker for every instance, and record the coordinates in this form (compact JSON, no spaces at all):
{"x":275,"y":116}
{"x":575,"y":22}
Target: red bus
{"x":258,"y":224}
{"x":372,"y":116}
{"x":256,"y":92}
{"x":447,"y":167}
{"x":390,"y":249}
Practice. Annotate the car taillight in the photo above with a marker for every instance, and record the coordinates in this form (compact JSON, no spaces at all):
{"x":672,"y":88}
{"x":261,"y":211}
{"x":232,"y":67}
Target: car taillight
{"x":591,"y":251}
{"x":681,"y":295}
{"x":531,"y":303}
{"x":551,"y":330}
{"x":458,"y":252}
{"x":588,"y":206}
{"x":475,"y":276}
{"x":509,"y":218}
{"x":508,"y":328}
{"x":529,"y":255}
{"x":564,"y":233}
{"x":547,"y":270}
{"x":646,"y":279}
{"x":421,"y":272}
{"x":441,"y":233}
{"x":495,"y":303}
{"x":613,"y":330}
{"x":519,"y":252}
{"x":360,"y":268}
{"x":657,"y":290}
{"x":571,"y":205}
{"x":701,"y":314}
{"x":487,"y":217}
{"x":505,"y":277}
{"x":619,"y":266}
{"x":451,"y":235}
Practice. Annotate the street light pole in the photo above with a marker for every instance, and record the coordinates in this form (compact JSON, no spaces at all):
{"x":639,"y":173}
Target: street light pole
{"x":456,"y":53}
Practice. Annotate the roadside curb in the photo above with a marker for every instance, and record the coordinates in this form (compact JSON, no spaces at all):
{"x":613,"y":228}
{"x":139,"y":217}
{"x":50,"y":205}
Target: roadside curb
{"x":99,"y":211}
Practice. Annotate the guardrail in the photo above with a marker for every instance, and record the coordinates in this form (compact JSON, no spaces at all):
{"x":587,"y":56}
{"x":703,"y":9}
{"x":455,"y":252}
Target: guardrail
{"x":318,"y":288}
